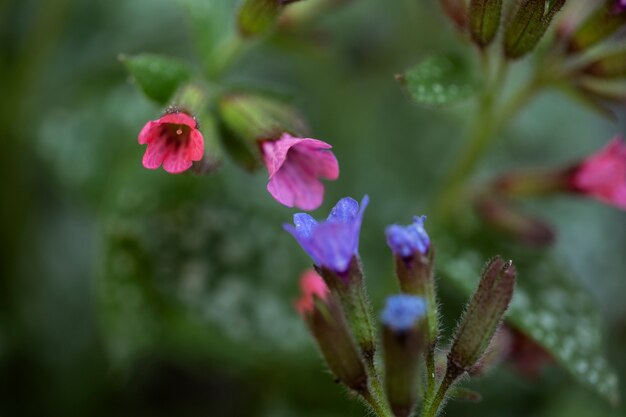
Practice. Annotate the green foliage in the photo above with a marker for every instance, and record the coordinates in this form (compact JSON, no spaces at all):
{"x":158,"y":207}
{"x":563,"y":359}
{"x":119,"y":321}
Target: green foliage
{"x":157,"y":76}
{"x":439,"y":80}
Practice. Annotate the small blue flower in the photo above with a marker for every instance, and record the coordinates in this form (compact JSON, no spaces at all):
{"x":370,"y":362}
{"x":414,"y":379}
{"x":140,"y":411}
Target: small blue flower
{"x":406,"y":240}
{"x":403,"y":311}
{"x":331,"y":243}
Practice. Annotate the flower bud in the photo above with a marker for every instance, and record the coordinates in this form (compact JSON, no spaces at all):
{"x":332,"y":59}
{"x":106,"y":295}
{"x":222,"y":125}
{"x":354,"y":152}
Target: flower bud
{"x":528,"y":25}
{"x":327,"y":323}
{"x":482,"y":316}
{"x":403,"y":344}
{"x":249,"y":119}
{"x":601,"y":24}
{"x":504,"y":217}
{"x":610,"y":66}
{"x":414,"y":259}
{"x":484,"y":16}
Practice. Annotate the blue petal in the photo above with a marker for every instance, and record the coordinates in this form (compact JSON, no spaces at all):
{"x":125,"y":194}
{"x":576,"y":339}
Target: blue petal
{"x":344,"y":211}
{"x":303,"y":242}
{"x":334,"y":245}
{"x":403,"y":311}
{"x":406,"y":240}
{"x":304,"y":224}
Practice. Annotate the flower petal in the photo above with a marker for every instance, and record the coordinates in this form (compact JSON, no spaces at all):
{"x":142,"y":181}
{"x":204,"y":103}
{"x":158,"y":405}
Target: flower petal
{"x":275,"y":152}
{"x":304,"y":224}
{"x":179,"y":118}
{"x":148,"y":132}
{"x":293,"y":186}
{"x":344,"y":211}
{"x":176,"y":162}
{"x":156,"y":152}
{"x":195,"y":150}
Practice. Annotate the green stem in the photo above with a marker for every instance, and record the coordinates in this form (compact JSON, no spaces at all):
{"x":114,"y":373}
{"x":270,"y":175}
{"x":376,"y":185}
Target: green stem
{"x":487,"y":124}
{"x":381,"y":409}
{"x":434,"y":405}
{"x":430,"y":370}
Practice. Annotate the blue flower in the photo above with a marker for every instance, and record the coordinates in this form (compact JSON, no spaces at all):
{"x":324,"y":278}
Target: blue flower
{"x":406,"y":240}
{"x":331,"y":243}
{"x":403,"y":311}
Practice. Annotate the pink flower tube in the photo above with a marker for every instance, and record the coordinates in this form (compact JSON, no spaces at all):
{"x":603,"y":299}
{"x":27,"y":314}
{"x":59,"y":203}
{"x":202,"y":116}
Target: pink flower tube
{"x":295,"y":166}
{"x":603,"y":175}
{"x":174,"y":141}
{"x":311,"y":285}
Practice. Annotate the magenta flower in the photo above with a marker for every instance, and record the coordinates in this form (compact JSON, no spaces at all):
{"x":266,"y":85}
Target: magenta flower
{"x":619,"y":6}
{"x":295,"y":166}
{"x":603,"y":175}
{"x":174,"y":141}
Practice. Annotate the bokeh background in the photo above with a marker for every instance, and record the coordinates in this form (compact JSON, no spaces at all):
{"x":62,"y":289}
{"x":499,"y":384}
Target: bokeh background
{"x":131,"y":292}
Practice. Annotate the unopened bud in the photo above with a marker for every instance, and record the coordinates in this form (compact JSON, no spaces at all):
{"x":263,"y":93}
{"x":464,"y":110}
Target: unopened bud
{"x":414,"y":261}
{"x":528,"y":25}
{"x":610,"y":66}
{"x":403,"y":344}
{"x":484,"y":20}
{"x":601,"y":24}
{"x":482,"y":316}
{"x":248,"y":119}
{"x":326,"y":321}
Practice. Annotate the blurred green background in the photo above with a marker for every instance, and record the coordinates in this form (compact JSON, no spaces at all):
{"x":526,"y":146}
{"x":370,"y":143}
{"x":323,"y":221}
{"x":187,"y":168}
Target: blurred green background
{"x":137,"y":293}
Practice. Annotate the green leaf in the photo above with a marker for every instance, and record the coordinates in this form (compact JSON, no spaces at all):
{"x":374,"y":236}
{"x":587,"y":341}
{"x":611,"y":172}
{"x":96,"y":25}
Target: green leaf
{"x":553,"y":310}
{"x":439,"y":80}
{"x":258,"y":16}
{"x":157,"y":76}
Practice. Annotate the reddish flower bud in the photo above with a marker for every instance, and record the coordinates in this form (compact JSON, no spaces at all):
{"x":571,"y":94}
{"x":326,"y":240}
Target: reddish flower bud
{"x":173,"y":140}
{"x":327,"y":323}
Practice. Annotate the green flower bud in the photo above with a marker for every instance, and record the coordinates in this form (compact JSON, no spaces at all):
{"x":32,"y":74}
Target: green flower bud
{"x":482,"y":316}
{"x":484,"y":16}
{"x":247,"y":119}
{"x":528,"y":25}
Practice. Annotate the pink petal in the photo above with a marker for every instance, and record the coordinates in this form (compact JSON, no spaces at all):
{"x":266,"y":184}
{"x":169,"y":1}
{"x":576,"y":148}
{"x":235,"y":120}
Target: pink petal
{"x":319,"y":160}
{"x":176,"y":162}
{"x":156,"y":152}
{"x":293,"y":186}
{"x":148,"y":132}
{"x":275,"y":152}
{"x":178,"y":119}
{"x":195,"y":148}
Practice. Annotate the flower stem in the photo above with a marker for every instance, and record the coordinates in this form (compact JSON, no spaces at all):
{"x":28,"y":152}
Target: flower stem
{"x":487,"y":124}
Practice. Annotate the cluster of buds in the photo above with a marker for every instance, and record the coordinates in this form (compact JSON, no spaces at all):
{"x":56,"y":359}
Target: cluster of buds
{"x":524,"y":26}
{"x":336,"y":308}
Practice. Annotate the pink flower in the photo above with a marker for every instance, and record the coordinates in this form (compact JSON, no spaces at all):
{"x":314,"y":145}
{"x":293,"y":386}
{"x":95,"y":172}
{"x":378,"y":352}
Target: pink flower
{"x":311,"y":285}
{"x":295,"y":166}
{"x":603,"y":175}
{"x":173,"y":141}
